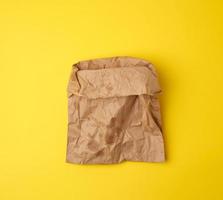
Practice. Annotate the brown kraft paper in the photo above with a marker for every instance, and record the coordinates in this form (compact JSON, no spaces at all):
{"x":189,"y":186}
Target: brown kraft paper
{"x":114,"y":112}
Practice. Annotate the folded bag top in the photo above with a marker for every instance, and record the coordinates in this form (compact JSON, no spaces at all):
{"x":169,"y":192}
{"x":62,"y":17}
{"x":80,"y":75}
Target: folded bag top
{"x":114,"y":112}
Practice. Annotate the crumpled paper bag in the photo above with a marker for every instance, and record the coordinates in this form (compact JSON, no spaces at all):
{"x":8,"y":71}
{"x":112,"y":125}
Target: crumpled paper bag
{"x":114,"y":112}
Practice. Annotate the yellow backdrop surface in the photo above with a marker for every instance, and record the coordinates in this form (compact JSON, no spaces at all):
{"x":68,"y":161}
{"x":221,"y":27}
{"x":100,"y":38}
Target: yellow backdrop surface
{"x":40,"y":40}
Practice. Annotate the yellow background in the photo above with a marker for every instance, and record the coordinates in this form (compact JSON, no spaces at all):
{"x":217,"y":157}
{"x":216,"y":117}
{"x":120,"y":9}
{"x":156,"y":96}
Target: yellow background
{"x":39,"y":42}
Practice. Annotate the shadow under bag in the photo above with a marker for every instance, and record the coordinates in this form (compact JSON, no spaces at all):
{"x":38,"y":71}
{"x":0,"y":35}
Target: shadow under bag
{"x":114,"y":112}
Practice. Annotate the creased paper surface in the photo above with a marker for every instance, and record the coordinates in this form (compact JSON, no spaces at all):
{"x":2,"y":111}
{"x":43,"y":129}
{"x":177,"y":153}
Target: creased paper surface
{"x":114,"y":112}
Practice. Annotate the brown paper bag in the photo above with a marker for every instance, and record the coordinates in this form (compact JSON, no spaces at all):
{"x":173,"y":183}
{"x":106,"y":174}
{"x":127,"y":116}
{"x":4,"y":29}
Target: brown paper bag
{"x":114,"y":112}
